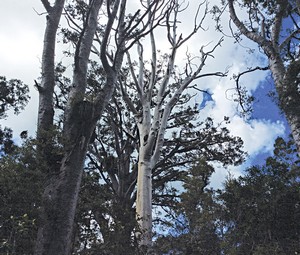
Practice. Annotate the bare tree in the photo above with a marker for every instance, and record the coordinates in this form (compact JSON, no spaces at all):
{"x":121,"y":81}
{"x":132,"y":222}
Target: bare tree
{"x":63,"y":153}
{"x":159,"y":90}
{"x":274,"y":26}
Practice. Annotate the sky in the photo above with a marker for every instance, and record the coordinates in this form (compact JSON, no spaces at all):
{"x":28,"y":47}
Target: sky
{"x":21,"y":42}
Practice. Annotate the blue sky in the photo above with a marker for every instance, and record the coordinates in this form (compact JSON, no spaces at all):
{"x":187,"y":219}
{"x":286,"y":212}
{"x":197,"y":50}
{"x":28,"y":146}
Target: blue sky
{"x":265,"y":108}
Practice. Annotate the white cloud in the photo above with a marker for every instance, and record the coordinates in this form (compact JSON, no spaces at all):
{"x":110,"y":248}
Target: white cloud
{"x":258,"y":135}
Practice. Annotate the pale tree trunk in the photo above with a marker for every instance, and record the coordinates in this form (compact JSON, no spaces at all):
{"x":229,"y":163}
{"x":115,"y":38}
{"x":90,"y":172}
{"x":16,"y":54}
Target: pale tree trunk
{"x":144,"y":202}
{"x":285,"y":73}
{"x":152,"y":122}
{"x":287,"y":87}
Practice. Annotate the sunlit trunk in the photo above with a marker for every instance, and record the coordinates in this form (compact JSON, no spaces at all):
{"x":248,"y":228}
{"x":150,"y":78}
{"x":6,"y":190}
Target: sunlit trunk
{"x":144,"y":203}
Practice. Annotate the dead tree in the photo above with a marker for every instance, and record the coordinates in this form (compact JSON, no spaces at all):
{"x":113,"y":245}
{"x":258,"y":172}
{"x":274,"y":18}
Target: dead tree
{"x":158,"y":92}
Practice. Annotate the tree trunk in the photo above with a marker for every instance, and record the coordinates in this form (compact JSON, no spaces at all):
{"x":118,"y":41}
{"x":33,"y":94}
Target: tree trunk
{"x":46,"y":89}
{"x":63,"y":170}
{"x":144,"y":203}
{"x":286,"y":83}
{"x":59,"y":204}
{"x":294,"y":122}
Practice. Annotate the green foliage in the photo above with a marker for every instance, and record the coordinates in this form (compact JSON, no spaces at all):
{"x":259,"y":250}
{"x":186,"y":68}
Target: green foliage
{"x":270,"y":6}
{"x":255,"y":214}
{"x":6,"y":143}
{"x":261,"y":209}
{"x":20,"y":192}
{"x":104,"y":221}
{"x":13,"y":95}
{"x":195,"y":230}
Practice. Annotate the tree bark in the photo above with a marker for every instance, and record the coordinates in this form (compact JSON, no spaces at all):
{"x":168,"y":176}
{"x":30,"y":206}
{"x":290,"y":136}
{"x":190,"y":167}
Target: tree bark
{"x":46,"y":89}
{"x":46,"y":111}
{"x":144,"y":203}
{"x":287,"y":87}
{"x":59,"y":205}
{"x":64,"y":175}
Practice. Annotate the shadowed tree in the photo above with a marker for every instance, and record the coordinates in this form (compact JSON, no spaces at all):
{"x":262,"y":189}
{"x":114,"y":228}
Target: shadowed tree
{"x":261,"y":209}
{"x":17,"y":170}
{"x":63,"y":152}
{"x":20,"y":198}
{"x":13,"y":96}
{"x":194,"y":218}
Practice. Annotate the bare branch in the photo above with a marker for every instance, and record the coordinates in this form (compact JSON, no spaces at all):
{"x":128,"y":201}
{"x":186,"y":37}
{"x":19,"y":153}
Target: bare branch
{"x":40,"y":14}
{"x":130,"y":64}
{"x":127,"y":99}
{"x":111,"y":17}
{"x":254,"y":36}
{"x":153,"y":59}
{"x":241,"y":97}
{"x":250,"y":70}
{"x":70,"y":21}
{"x":288,"y":39}
{"x":100,"y":168}
{"x":197,"y":25}
{"x":141,"y":67}
{"x":174,"y":99}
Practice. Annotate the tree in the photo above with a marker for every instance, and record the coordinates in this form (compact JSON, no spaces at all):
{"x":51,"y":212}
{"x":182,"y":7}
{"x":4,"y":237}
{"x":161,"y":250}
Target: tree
{"x":13,"y":95}
{"x":113,"y":158}
{"x":64,"y":151}
{"x":17,"y":173}
{"x":194,"y":219}
{"x":162,"y":86}
{"x":20,"y":198}
{"x":261,"y":209}
{"x":273,"y":26}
